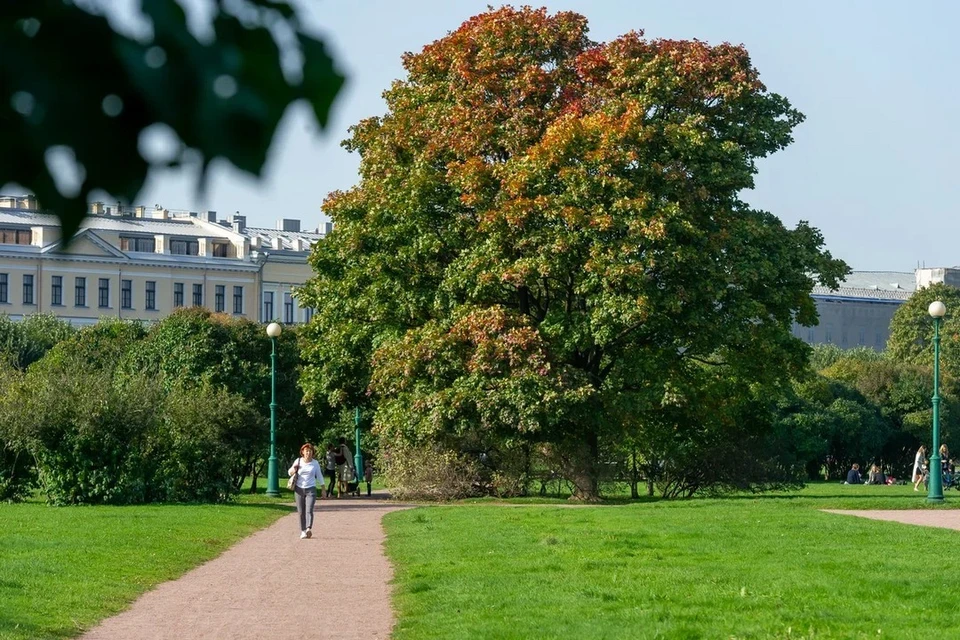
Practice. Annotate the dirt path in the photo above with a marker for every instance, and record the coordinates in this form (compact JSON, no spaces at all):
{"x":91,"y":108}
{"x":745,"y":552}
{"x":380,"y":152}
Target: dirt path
{"x":251,"y":590}
{"x":947,"y":519}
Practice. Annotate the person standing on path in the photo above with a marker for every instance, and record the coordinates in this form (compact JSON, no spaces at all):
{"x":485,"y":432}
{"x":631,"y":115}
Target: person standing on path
{"x":308,"y":472}
{"x":918,"y":462}
{"x":345,"y":471}
{"x":331,"y":469}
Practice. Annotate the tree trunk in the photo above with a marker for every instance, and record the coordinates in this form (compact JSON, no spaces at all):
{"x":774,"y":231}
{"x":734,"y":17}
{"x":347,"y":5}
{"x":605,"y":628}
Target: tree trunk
{"x":584,"y":472}
{"x":634,"y":476}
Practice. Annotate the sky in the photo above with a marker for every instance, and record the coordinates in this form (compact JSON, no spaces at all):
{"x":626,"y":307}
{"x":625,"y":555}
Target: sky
{"x":873,"y":166}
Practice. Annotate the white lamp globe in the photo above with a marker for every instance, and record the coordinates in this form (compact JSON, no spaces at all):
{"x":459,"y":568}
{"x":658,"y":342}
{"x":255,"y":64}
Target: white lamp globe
{"x":273,"y":330}
{"x":937,"y":309}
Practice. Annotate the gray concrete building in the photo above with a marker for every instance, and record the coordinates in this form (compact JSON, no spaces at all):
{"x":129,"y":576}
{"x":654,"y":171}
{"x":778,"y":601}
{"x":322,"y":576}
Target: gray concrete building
{"x":859,"y":311}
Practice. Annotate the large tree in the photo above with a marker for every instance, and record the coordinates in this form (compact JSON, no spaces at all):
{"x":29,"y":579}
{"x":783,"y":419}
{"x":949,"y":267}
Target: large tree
{"x":70,"y":83}
{"x":547,"y":241}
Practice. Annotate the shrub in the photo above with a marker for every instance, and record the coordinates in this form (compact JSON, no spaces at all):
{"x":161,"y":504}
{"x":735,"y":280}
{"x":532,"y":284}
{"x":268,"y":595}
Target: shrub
{"x":429,"y":473}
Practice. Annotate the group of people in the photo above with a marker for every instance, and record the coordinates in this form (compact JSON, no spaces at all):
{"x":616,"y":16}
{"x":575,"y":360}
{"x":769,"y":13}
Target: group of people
{"x":339,"y":470}
{"x":921,"y":471}
{"x":876,"y":476}
{"x":921,"y":467}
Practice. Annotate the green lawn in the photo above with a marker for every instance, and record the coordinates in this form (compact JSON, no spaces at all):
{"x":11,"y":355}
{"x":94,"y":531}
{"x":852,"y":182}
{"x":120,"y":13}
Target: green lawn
{"x":770,"y":566}
{"x":63,"y":569}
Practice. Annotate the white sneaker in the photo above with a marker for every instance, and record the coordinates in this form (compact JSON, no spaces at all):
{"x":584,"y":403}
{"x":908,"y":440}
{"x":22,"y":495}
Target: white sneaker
{"x":303,"y":535}
{"x":309,"y":533}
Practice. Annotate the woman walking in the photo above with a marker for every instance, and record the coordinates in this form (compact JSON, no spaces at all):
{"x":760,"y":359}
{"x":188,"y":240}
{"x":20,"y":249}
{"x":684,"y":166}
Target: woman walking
{"x":918,"y":463}
{"x":307,"y":470}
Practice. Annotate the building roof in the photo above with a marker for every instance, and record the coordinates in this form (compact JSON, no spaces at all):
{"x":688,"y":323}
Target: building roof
{"x":175,"y":227}
{"x":877,"y":285}
{"x":286,"y":237}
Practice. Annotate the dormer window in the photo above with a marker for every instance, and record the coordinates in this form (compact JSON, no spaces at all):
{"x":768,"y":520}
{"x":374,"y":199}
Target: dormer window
{"x":140,"y":245}
{"x":16,"y":236}
{"x":185,"y":247}
{"x":220,"y":249}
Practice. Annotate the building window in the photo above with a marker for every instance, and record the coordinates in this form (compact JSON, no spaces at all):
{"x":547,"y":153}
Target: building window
{"x":178,"y":294}
{"x":56,"y":290}
{"x":238,"y":299}
{"x":879,"y":341}
{"x":185,"y":247}
{"x":220,"y":298}
{"x":198,"y":295}
{"x":267,"y":306}
{"x":126,"y":294}
{"x":16,"y":236}
{"x":151,"y":296}
{"x":27,"y":289}
{"x":308,"y":315}
{"x":863,"y":337}
{"x":140,"y":245}
{"x":828,"y":336}
{"x":810,"y":335}
{"x":103,"y":293}
{"x":288,"y":308}
{"x":80,"y":292}
{"x":220,"y":250}
{"x":4,"y":288}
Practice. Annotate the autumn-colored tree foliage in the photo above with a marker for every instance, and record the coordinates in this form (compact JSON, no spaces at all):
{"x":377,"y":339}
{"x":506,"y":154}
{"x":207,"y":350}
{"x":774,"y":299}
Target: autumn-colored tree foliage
{"x":547,"y":243}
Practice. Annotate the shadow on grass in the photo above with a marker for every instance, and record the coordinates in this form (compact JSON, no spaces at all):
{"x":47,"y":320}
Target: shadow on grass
{"x":832,"y":496}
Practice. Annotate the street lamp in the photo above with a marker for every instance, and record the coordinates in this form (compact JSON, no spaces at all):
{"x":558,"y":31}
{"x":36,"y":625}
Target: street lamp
{"x":273,"y":483}
{"x":935,"y":488}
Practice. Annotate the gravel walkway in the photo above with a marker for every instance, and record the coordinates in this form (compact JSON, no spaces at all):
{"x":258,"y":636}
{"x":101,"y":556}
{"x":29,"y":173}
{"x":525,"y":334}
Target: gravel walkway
{"x":947,"y":519}
{"x":250,"y":590}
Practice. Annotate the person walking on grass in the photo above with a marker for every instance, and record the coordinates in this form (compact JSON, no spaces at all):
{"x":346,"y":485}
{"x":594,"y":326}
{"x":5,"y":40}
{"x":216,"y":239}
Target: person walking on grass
{"x":307,"y":470}
{"x":919,"y":461}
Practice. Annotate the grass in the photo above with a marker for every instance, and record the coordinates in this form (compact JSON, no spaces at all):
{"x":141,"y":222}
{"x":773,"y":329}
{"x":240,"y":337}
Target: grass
{"x":64,"y":569}
{"x":768,"y":566}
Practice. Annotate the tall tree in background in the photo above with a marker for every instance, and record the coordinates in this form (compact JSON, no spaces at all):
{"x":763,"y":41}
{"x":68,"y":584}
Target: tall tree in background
{"x":547,"y":243}
{"x":73,"y":87}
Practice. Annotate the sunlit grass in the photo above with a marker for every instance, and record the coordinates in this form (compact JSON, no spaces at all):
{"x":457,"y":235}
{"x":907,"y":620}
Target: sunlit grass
{"x":767,"y":566}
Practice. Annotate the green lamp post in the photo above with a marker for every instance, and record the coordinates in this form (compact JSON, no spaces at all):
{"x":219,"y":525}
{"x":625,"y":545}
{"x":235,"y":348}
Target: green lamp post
{"x":357,"y":458}
{"x":273,"y":482}
{"x":935,"y":489}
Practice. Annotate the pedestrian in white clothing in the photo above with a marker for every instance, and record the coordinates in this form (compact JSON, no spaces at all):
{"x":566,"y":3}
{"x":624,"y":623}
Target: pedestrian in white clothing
{"x":919,"y":462}
{"x":308,"y":472}
{"x":345,"y":470}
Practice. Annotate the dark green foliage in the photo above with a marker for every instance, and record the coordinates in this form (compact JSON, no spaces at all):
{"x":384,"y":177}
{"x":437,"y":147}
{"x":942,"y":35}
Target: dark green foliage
{"x":196,"y":446}
{"x":117,"y":414}
{"x":23,"y":343}
{"x":61,"y":65}
{"x":94,"y":441}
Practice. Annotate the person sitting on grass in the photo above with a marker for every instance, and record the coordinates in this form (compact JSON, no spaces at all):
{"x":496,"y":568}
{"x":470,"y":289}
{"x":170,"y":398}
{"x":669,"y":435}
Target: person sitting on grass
{"x":853,"y":476}
{"x":876,"y":476}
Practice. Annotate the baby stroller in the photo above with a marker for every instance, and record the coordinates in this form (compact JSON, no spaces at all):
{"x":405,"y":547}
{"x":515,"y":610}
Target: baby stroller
{"x":349,"y":478}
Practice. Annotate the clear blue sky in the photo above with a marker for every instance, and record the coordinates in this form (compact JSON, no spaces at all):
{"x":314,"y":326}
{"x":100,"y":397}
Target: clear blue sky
{"x":873,"y":167}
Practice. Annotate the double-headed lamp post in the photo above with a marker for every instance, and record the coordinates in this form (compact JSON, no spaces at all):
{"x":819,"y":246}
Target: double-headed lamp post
{"x":935,"y":489}
{"x":273,"y":482}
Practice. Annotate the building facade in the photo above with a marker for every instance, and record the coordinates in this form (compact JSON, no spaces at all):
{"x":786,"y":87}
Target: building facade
{"x":859,"y":311}
{"x":134,"y":263}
